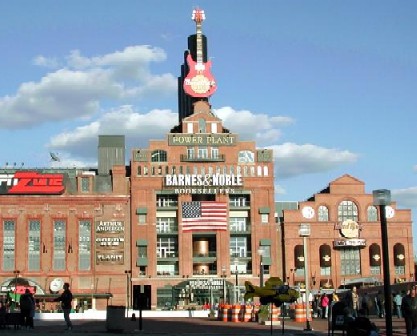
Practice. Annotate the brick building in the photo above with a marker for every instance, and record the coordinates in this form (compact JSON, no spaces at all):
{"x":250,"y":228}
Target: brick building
{"x":345,"y":238}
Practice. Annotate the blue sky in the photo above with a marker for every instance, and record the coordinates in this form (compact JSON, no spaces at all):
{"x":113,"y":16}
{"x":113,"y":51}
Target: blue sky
{"x":329,"y":85}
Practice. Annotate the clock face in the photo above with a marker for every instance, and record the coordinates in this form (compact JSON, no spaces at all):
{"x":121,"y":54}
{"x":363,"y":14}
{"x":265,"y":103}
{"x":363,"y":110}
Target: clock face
{"x":389,"y":211}
{"x":307,"y":212}
{"x":246,"y":157}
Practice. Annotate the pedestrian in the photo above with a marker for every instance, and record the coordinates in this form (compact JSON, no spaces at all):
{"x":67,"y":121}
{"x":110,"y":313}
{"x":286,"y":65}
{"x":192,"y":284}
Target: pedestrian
{"x":352,"y":301}
{"x":66,"y":304}
{"x":26,"y":304}
{"x":324,"y":306}
{"x":397,"y":301}
{"x":380,"y":302}
{"x":409,"y":311}
{"x":365,"y":304}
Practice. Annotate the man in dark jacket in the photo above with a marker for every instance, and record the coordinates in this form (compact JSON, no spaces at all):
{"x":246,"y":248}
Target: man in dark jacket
{"x":409,"y":311}
{"x":66,"y":304}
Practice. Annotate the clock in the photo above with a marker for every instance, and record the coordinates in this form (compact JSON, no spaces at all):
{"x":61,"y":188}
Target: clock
{"x":389,"y":211}
{"x":246,"y":157}
{"x":308,"y":212}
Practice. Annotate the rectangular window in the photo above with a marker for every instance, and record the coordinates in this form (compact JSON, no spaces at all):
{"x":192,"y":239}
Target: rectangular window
{"x":237,"y":224}
{"x":142,"y":219}
{"x":34,"y":245}
{"x":350,"y":262}
{"x":9,"y":247}
{"x":166,"y":247}
{"x":238,"y":247}
{"x":202,"y":152}
{"x":214,"y":127}
{"x":166,"y":201}
{"x":214,"y":153}
{"x":84,"y":245}
{"x":264,"y":218}
{"x":59,"y":245}
{"x":190,"y":152}
{"x":166,"y":225}
{"x":85,"y":184}
{"x":325,"y":270}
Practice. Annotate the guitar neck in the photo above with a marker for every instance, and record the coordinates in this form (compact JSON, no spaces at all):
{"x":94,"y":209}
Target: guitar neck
{"x":199,"y":43}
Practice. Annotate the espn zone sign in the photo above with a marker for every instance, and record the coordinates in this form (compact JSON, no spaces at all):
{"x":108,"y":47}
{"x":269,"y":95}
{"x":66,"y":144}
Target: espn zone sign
{"x":31,"y":183}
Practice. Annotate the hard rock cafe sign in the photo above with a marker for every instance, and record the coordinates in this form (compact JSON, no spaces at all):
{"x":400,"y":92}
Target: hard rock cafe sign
{"x":199,"y":81}
{"x":349,"y":230}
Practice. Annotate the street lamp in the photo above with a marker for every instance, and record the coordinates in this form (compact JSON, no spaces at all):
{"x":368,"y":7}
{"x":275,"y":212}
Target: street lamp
{"x":382,"y":198}
{"x":305,"y":232}
{"x":261,"y":266}
{"x":128,"y":273}
{"x":236,"y":263}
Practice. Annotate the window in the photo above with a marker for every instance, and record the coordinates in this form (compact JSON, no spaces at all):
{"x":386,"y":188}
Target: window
{"x":59,"y":245}
{"x":323,"y":214}
{"x":9,"y":245}
{"x":84,"y":245}
{"x":166,"y":225}
{"x":34,"y":250}
{"x":347,"y":210}
{"x":264,"y":218}
{"x":142,"y":218}
{"x":239,"y":201}
{"x":202,"y":152}
{"x":214,"y":127}
{"x":190,"y":127}
{"x":159,"y":156}
{"x":201,"y":126}
{"x":190,"y":152}
{"x":85,"y":184}
{"x":166,"y":247}
{"x":238,"y":247}
{"x":372,"y":213}
{"x":350,"y":262}
{"x":166,"y":201}
{"x":237,"y":224}
{"x":214,"y":153}
{"x":325,"y":259}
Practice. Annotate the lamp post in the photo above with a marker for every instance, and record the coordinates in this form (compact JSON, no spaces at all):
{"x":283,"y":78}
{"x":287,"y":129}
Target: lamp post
{"x":382,"y":198}
{"x":16,"y":274}
{"x":305,"y":232}
{"x":236,"y":263}
{"x":127,"y":272}
{"x":261,"y":266}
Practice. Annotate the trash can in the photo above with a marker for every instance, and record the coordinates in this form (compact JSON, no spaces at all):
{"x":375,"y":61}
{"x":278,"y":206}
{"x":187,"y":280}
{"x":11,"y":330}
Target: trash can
{"x":115,"y":318}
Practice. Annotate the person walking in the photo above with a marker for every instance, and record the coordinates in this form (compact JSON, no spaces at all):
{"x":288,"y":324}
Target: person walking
{"x":26,"y":303}
{"x":66,"y":304}
{"x":397,"y":301}
{"x":324,"y":306}
{"x":409,"y":311}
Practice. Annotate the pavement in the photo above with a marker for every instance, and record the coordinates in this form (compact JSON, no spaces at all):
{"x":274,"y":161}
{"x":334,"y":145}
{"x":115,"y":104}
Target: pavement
{"x":191,"y":326}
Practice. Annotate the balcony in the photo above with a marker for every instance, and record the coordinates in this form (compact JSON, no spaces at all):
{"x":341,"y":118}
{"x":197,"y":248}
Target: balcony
{"x":244,"y":229}
{"x":196,"y":158}
{"x":171,"y":230}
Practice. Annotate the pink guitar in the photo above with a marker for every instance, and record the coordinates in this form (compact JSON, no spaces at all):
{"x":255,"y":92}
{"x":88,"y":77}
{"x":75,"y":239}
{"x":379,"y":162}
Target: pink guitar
{"x":199,"y":82}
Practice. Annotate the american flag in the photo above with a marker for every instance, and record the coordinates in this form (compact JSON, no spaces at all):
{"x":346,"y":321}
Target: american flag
{"x":204,"y":215}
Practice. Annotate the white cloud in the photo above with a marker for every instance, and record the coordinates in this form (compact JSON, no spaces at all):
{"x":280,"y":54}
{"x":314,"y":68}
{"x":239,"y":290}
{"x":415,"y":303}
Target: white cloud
{"x":81,"y":143}
{"x":292,"y":159}
{"x":406,"y":198}
{"x":262,"y":128}
{"x":77,"y":90}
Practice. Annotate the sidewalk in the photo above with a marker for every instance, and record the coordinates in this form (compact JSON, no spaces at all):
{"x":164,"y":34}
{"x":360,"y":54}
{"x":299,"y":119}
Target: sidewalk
{"x":192,"y":326}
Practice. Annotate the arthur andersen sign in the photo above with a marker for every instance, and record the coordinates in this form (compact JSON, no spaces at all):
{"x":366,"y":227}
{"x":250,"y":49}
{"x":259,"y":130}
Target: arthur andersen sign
{"x":207,"y":180}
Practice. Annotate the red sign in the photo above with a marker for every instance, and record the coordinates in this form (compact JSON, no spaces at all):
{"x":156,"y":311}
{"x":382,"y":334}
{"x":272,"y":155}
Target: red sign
{"x":27,"y":182}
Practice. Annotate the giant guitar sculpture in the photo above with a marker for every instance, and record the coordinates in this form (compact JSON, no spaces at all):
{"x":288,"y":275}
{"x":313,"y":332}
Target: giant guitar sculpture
{"x":199,"y":81}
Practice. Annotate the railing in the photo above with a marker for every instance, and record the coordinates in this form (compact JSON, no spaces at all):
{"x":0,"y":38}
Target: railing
{"x":196,"y":158}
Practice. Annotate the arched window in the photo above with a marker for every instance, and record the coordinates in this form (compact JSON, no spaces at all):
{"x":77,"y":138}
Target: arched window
{"x":347,"y":210}
{"x":399,"y":259}
{"x":372,"y":213}
{"x":375,"y":259}
{"x":159,"y":155}
{"x":323,"y":214}
{"x":325,"y":259}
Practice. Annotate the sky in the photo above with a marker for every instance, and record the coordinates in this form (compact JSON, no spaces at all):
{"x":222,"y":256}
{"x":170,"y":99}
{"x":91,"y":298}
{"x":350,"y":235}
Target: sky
{"x":330,"y":86}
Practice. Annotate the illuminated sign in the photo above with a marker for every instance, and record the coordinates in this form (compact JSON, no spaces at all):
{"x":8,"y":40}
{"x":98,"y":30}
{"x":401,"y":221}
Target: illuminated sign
{"x":207,"y":180}
{"x":31,"y":183}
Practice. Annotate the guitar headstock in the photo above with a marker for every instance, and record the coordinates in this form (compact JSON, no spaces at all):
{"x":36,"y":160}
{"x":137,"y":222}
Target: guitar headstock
{"x":198,"y":15}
